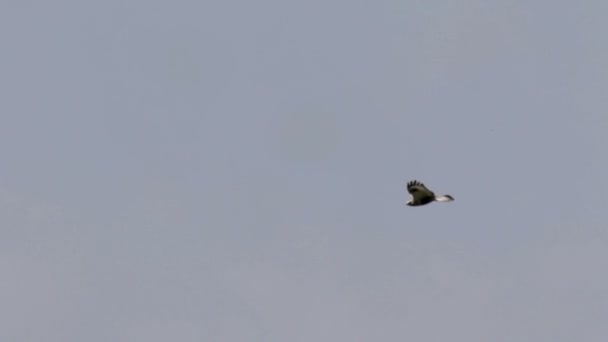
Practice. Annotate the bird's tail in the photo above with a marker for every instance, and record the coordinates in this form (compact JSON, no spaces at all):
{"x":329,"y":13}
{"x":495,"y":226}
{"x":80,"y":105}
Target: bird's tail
{"x":444,"y":198}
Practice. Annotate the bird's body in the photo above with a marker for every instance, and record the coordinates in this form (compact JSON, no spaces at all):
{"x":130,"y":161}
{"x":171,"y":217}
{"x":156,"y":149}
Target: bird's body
{"x":421,"y":195}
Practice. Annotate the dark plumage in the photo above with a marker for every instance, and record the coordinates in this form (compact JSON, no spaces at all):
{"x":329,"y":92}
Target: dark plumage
{"x":421,"y":195}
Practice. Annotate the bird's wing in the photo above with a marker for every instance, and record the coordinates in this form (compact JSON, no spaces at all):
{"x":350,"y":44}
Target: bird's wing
{"x":418,"y":190}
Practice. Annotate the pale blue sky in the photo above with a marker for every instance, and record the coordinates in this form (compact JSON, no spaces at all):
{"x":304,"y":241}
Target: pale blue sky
{"x":235,"y":171}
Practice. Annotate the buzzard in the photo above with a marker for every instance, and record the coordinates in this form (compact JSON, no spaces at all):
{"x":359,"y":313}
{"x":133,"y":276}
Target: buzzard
{"x":421,"y":195}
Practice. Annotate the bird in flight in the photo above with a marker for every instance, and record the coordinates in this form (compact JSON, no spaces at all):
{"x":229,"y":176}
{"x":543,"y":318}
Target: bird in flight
{"x":421,"y":195}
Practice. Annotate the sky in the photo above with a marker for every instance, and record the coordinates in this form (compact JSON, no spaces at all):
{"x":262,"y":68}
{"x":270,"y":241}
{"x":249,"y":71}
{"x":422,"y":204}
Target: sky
{"x":235,"y":170}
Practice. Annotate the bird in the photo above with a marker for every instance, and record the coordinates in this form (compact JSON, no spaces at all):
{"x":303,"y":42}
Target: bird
{"x":421,"y":195}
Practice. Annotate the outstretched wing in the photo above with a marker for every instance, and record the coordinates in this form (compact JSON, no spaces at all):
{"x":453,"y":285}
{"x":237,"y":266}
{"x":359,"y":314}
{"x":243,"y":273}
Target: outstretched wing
{"x":418,"y":191}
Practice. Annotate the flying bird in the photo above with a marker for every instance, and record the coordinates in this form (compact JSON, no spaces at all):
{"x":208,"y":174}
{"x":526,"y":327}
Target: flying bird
{"x":421,"y":195}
